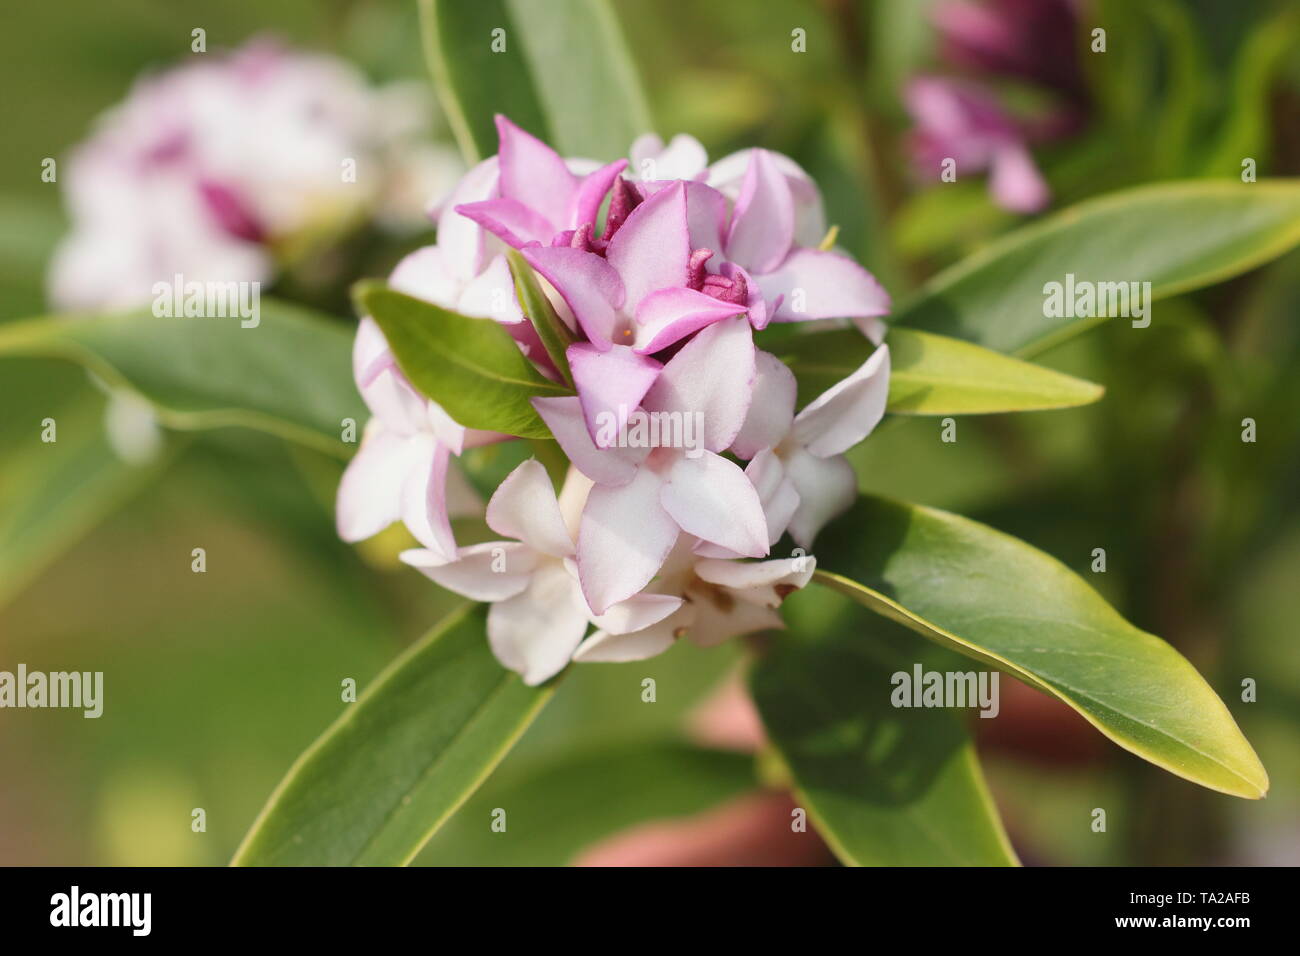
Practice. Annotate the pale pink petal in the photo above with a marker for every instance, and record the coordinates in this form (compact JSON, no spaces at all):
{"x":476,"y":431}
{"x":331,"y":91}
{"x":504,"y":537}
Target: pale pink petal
{"x":460,"y":239}
{"x":711,"y":498}
{"x":637,"y":613}
{"x":423,"y":498}
{"x":536,"y":632}
{"x":716,"y":622}
{"x":423,"y":274}
{"x":759,"y":582}
{"x":712,"y":375}
{"x":822,"y":285}
{"x":510,"y":220}
{"x":588,"y":284}
{"x":604,"y":647}
{"x":491,"y":295}
{"x":492,"y":571}
{"x":623,"y":539}
{"x":667,"y":316}
{"x":778,"y":495}
{"x":605,"y":466}
{"x":728,"y":173}
{"x":827,"y":487}
{"x":651,"y":249}
{"x":1015,"y":181}
{"x":772,"y":411}
{"x":762,"y":224}
{"x":524,"y":507}
{"x":845,"y":413}
{"x":384,"y":389}
{"x":610,"y":385}
{"x":683,"y":158}
{"x":535,"y":175}
{"x":370,"y":493}
{"x":591,"y":193}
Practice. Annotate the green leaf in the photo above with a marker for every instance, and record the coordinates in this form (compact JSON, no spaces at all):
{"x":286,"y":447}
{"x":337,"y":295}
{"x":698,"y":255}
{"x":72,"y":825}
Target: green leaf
{"x":1178,"y":236}
{"x":400,"y":761}
{"x":471,"y":367}
{"x":290,"y":375}
{"x":555,"y":335}
{"x":473,"y":82}
{"x":884,"y":786}
{"x":933,"y":374}
{"x":52,"y":494}
{"x":994,"y":598}
{"x":584,"y":75}
{"x":563,"y":806}
{"x":565,"y":74}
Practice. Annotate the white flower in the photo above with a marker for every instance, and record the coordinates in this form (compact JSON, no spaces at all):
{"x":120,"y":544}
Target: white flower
{"x":538,"y":615}
{"x":721,"y":598}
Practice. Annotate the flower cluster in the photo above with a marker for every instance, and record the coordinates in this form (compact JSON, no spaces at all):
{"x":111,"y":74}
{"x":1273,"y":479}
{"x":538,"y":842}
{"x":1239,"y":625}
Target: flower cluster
{"x":221,"y":169}
{"x":964,"y":117}
{"x":664,"y":271}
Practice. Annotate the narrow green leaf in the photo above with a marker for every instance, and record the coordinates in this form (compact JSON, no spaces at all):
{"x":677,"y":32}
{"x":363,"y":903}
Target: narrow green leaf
{"x":473,"y":81}
{"x":563,"y":806}
{"x":1178,"y":236}
{"x":885,"y":786}
{"x":933,"y":374}
{"x":584,"y":75}
{"x":290,"y":375}
{"x":555,"y":335}
{"x":998,"y":600}
{"x":560,"y":69}
{"x":471,"y":367}
{"x":400,"y":761}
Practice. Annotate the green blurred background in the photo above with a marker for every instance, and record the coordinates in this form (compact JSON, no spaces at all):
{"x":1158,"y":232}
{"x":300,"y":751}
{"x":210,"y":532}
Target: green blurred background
{"x":215,"y":682}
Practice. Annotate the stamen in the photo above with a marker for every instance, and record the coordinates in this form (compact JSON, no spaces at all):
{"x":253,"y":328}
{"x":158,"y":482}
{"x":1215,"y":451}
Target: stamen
{"x":624,"y":199}
{"x":695,"y":268}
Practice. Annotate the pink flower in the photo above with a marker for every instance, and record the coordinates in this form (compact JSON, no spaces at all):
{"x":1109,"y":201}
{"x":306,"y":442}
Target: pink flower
{"x":961,"y":122}
{"x":204,"y":166}
{"x":645,"y":496}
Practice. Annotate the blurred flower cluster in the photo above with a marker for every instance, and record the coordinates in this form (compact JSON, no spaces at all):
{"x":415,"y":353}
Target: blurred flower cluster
{"x":964,"y":115}
{"x":231,"y":166}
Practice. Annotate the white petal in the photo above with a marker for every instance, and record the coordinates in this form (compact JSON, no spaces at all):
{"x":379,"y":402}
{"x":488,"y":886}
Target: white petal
{"x":536,"y":632}
{"x":370,"y":494}
{"x":711,"y":498}
{"x":845,"y":413}
{"x":492,"y":571}
{"x":712,"y":376}
{"x":759,"y":582}
{"x":719,"y":616}
{"x":605,"y":466}
{"x":637,"y":613}
{"x":623,"y":539}
{"x":826,"y":486}
{"x":491,"y":295}
{"x":524,"y":507}
{"x":424,"y":495}
{"x":603,"y":647}
{"x":772,"y":412}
